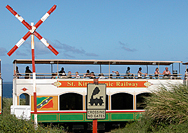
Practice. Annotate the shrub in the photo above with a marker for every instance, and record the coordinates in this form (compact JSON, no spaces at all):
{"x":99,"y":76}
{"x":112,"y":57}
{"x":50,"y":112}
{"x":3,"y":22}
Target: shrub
{"x":166,"y":111}
{"x":168,"y":105}
{"x":9,"y":123}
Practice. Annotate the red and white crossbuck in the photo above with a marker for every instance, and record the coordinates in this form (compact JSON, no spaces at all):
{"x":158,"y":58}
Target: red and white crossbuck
{"x":32,"y":31}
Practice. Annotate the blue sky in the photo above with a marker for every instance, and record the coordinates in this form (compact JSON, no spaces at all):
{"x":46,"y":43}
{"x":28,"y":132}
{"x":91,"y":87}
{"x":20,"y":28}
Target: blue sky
{"x":97,"y":29}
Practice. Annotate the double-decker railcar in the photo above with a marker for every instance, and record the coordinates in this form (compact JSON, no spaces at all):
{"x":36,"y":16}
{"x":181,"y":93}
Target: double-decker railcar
{"x":61,"y":98}
{"x":1,"y":92}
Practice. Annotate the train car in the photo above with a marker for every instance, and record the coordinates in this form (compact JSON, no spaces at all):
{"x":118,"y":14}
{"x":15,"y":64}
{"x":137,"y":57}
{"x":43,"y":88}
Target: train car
{"x":1,"y":92}
{"x":62,"y":98}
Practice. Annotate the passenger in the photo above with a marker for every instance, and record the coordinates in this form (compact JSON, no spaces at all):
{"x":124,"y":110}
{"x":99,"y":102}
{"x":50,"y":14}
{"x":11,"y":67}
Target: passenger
{"x":16,"y":73}
{"x":77,"y":75}
{"x":92,"y":76}
{"x":157,"y":73}
{"x":110,"y":76}
{"x":69,"y":74}
{"x":101,"y":76}
{"x":54,"y":75}
{"x":166,"y":73}
{"x":27,"y":72}
{"x":186,"y":74}
{"x":146,"y":76}
{"x":128,"y":74}
{"x":62,"y":73}
{"x":87,"y":75}
{"x":117,"y":74}
{"x":141,"y":73}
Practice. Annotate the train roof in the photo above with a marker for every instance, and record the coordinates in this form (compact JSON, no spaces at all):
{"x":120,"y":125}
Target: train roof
{"x":94,"y":62}
{"x":185,"y":63}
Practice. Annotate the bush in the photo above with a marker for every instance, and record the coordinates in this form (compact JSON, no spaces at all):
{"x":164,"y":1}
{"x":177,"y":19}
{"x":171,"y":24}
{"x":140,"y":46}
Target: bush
{"x":7,"y":102}
{"x":166,"y":111}
{"x":9,"y":123}
{"x":168,"y":105}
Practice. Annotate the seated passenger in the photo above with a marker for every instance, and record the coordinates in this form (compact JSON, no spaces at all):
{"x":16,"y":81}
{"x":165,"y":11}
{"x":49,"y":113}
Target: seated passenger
{"x":54,"y":75}
{"x":27,"y":72}
{"x":69,"y":74}
{"x":166,"y":73}
{"x":146,"y":76}
{"x":77,"y":75}
{"x":157,"y":73}
{"x":128,"y":74}
{"x":16,"y":73}
{"x":101,"y":76}
{"x":186,"y":74}
{"x":87,"y":75}
{"x":110,"y":76}
{"x":62,"y":73}
{"x":92,"y":75}
{"x":117,"y":74}
{"x":141,"y":73}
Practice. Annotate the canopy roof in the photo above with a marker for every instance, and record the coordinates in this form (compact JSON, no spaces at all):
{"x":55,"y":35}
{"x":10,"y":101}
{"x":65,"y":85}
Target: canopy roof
{"x":94,"y":62}
{"x":185,"y":63}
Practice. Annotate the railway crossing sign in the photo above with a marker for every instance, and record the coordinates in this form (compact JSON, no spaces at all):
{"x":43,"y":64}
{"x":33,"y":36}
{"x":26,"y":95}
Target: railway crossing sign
{"x":32,"y":31}
{"x":96,"y":101}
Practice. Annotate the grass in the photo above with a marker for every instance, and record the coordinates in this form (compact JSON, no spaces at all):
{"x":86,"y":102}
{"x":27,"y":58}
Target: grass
{"x":10,"y":124}
{"x":166,"y":111}
{"x":169,"y":105}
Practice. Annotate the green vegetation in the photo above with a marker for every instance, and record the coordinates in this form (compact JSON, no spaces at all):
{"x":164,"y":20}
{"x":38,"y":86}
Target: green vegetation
{"x":166,"y":111}
{"x":10,"y":124}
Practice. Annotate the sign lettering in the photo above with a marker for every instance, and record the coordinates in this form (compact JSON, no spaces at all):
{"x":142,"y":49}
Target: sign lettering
{"x":124,"y":84}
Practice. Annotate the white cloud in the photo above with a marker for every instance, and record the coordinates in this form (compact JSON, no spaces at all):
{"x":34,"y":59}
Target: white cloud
{"x":3,"y":51}
{"x":126,"y":48}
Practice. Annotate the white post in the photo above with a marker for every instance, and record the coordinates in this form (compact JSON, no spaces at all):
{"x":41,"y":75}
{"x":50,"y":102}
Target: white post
{"x":34,"y":77}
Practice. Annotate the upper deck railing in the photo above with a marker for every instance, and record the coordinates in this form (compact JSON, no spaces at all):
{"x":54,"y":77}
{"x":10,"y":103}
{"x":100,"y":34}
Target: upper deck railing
{"x":98,"y":76}
{"x":100,"y":63}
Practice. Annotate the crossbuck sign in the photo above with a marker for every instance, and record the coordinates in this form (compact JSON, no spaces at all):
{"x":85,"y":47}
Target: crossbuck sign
{"x":32,"y":31}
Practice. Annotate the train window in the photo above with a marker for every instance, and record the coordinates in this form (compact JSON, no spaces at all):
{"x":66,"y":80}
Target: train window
{"x":122,"y":101}
{"x":70,"y":101}
{"x":24,"y":99}
{"x":140,"y":100}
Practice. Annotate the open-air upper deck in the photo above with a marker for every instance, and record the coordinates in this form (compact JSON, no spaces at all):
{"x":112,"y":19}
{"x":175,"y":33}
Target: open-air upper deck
{"x":175,"y":74}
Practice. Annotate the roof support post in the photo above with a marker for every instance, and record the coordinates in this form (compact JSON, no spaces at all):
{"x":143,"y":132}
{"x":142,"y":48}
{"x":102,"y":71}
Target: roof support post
{"x":100,"y":69}
{"x":179,"y":68}
{"x":109,"y":69}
